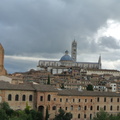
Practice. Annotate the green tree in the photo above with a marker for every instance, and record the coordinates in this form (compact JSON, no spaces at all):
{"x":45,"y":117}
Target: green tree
{"x":3,"y":115}
{"x":48,"y":82}
{"x":47,"y":114}
{"x":63,"y":115}
{"x":90,"y":87}
{"x":27,"y":109}
{"x":102,"y":115}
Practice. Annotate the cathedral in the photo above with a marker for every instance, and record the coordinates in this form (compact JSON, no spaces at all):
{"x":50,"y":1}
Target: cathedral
{"x":2,"y":69}
{"x":66,"y":62}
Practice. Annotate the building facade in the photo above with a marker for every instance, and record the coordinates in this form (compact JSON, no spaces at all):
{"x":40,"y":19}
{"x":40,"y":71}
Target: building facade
{"x":82,"y":104}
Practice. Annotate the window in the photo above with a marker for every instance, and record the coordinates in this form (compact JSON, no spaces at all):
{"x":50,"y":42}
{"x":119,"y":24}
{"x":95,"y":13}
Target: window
{"x":66,"y":99}
{"x":117,"y":108}
{"x":111,"y":108}
{"x":90,"y":116}
{"x":23,"y":98}
{"x":84,"y":115}
{"x":9,"y":97}
{"x":78,"y":115}
{"x":91,"y":100}
{"x":71,"y":108}
{"x":49,"y":97}
{"x":111,"y":100}
{"x":41,"y":98}
{"x":85,"y":100}
{"x":91,"y":107}
{"x":16,"y":97}
{"x":97,"y":107}
{"x":98,"y":99}
{"x":30,"y":97}
{"x":117,"y":99}
{"x":73,"y":100}
{"x":54,"y":108}
{"x":60,"y":99}
{"x":85,"y":107}
{"x":54,"y":99}
{"x":104,"y":107}
{"x":79,"y":107}
{"x":78,"y":100}
{"x":65,"y":108}
{"x":105,"y":99}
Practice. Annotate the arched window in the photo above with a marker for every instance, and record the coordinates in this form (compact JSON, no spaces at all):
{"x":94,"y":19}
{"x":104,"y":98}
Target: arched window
{"x":79,"y":107}
{"x":105,"y":99}
{"x":30,"y":97}
{"x":23,"y":98}
{"x":54,"y":108}
{"x":104,"y":107}
{"x":90,"y":116}
{"x":71,"y":108}
{"x":16,"y":97}
{"x":9,"y":97}
{"x":85,"y":116}
{"x":85,"y":107}
{"x":49,"y":97}
{"x":111,"y":108}
{"x":91,"y":107}
{"x":78,"y":115}
{"x":117,"y":108}
{"x":117,"y":99}
{"x":98,"y":99}
{"x":41,"y":98}
{"x":97,"y":107}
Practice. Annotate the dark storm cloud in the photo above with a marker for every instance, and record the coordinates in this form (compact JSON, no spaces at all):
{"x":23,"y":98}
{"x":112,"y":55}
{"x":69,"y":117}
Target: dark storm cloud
{"x":47,"y":27}
{"x":109,"y":42}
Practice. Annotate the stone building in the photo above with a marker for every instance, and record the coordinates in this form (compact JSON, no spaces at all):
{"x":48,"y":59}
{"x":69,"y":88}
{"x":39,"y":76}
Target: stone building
{"x":82,"y":104}
{"x":2,"y":69}
{"x":67,"y":61}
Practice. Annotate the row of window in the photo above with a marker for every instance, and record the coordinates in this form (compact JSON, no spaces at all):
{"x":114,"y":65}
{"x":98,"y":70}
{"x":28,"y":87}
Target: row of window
{"x":79,"y":100}
{"x":105,"y":99}
{"x":85,"y":108}
{"x":17,"y":97}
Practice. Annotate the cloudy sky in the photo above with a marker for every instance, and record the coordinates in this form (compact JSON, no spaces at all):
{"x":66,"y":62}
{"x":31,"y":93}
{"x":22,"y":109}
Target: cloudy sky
{"x":31,"y":30}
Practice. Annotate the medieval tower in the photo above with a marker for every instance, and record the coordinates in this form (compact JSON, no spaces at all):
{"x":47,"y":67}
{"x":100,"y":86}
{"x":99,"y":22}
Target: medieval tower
{"x":74,"y":51}
{"x":2,"y":69}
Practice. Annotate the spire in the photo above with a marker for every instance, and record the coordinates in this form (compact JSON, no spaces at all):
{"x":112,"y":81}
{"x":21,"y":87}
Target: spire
{"x":99,"y":61}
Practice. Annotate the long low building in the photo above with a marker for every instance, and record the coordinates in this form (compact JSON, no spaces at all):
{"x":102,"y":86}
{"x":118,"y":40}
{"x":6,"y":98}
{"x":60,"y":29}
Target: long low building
{"x":82,"y":104}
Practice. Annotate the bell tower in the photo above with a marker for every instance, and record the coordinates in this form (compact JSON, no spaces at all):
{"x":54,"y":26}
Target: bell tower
{"x":2,"y":70}
{"x":74,"y":50}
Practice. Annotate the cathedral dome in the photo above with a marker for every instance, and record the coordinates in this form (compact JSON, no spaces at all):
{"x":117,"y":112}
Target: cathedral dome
{"x":66,"y":57}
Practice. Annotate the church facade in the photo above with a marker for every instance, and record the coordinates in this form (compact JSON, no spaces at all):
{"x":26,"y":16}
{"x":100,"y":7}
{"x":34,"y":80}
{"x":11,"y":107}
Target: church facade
{"x":66,"y":62}
{"x":2,"y":69}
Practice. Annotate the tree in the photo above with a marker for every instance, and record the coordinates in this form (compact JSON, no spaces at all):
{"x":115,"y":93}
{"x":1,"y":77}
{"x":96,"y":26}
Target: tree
{"x":47,"y":114}
{"x":48,"y":82}
{"x":3,"y":115}
{"x":90,"y":87}
{"x":102,"y":115}
{"x":63,"y":115}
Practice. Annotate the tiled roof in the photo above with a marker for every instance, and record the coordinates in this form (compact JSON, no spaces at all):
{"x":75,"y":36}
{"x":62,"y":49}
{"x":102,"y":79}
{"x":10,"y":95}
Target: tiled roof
{"x":74,"y":92}
{"x":27,"y":87}
{"x":7,"y":86}
{"x":45,"y":88}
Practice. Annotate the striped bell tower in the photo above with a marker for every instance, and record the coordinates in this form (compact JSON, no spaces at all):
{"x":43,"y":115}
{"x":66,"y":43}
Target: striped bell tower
{"x":74,"y":51}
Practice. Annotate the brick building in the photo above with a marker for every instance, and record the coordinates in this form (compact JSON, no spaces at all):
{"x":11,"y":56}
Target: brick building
{"x":82,"y":104}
